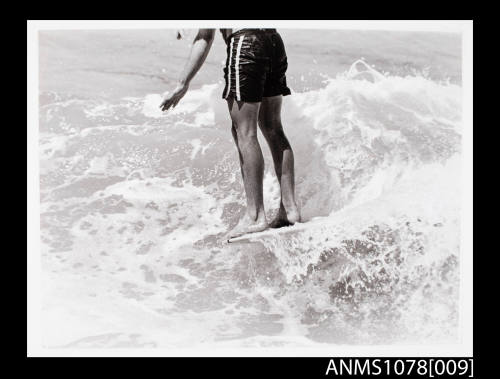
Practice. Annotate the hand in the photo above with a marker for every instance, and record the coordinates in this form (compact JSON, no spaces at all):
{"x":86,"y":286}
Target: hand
{"x":171,"y":100}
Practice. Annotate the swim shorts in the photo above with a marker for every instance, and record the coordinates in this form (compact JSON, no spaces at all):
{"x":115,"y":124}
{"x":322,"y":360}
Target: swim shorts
{"x":255,"y":66}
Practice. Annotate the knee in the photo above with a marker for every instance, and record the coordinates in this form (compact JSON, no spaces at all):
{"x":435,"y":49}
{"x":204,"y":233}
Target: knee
{"x":274,"y":132}
{"x":271,"y":119}
{"x":246,"y":131}
{"x":271,"y":126}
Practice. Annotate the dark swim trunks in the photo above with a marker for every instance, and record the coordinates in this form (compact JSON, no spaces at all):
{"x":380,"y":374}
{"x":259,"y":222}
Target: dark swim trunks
{"x":255,"y":66}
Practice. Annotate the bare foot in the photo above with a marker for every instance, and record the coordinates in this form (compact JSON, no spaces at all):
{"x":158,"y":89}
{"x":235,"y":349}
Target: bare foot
{"x":248,"y":225}
{"x":285,"y":218}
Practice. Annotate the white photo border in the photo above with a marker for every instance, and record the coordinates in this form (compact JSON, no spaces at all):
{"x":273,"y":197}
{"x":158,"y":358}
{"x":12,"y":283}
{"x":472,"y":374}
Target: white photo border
{"x":34,"y":293}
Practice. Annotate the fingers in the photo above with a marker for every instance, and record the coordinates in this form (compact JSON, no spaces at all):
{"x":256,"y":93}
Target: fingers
{"x":170,"y":103}
{"x":163,"y":102}
{"x":173,"y":100}
{"x":163,"y":105}
{"x":166,"y":104}
{"x":176,"y":101}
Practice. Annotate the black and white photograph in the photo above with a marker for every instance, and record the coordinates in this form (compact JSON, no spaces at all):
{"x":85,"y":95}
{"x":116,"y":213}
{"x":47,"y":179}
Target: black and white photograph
{"x":263,"y":188}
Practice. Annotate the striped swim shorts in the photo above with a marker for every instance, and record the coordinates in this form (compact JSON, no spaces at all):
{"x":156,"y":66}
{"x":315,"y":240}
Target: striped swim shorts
{"x":255,"y":66}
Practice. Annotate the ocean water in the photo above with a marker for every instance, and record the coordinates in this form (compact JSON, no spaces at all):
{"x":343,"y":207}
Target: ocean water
{"x":134,"y":203}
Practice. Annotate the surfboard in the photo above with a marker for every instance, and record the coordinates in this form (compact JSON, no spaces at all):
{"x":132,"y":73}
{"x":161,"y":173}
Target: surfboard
{"x":268,"y":233}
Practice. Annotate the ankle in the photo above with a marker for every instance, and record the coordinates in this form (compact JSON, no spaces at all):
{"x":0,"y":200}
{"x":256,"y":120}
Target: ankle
{"x":256,"y":215}
{"x":288,"y":205}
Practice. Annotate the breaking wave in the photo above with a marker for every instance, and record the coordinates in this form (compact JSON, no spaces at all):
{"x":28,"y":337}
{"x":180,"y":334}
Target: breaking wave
{"x":134,"y":204}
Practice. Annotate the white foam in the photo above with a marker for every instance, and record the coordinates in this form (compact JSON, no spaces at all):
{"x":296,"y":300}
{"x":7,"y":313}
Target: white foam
{"x":370,"y":149}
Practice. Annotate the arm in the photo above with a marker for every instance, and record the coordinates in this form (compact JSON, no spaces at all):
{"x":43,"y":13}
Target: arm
{"x":199,"y":51}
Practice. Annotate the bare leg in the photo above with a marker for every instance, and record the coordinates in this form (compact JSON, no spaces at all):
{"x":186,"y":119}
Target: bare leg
{"x":244,"y":116}
{"x":272,"y":129}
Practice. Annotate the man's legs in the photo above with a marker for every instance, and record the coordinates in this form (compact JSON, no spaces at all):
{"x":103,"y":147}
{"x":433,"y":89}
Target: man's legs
{"x":272,"y":129}
{"x":244,"y":116}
